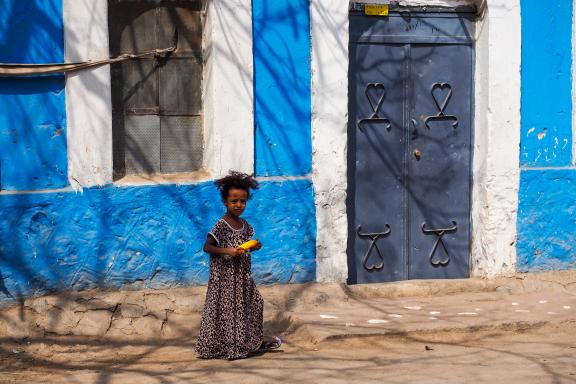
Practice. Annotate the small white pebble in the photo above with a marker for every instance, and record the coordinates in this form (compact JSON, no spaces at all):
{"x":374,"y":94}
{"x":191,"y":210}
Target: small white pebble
{"x":522,"y":311}
{"x":468,"y":313}
{"x":414,"y":307}
{"x":328,"y":317}
{"x":543,"y":301}
{"x":434,"y":312}
{"x":552,"y":313}
{"x":433,"y":318}
{"x":515,"y":304}
{"x":394,"y":315}
{"x":567,"y":307}
{"x":350,"y":324}
{"x":377,"y":321}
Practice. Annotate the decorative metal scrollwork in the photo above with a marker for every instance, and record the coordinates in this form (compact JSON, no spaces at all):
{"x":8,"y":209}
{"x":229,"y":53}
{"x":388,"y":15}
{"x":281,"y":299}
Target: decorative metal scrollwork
{"x":440,"y":232}
{"x":441,"y":116}
{"x":374,"y":238}
{"x":380,"y":92}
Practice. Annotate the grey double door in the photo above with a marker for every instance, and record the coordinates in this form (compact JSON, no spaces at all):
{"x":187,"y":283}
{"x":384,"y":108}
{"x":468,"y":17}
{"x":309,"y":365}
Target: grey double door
{"x":410,"y":126}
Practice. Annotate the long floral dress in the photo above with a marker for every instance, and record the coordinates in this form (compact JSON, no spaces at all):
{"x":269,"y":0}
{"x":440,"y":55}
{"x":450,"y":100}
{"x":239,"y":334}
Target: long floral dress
{"x":231,"y":324}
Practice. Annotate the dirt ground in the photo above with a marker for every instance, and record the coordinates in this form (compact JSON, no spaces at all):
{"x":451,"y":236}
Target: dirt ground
{"x":537,"y":355}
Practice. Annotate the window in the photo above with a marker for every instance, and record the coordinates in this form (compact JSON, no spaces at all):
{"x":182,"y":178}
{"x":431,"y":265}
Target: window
{"x":156,"y":101}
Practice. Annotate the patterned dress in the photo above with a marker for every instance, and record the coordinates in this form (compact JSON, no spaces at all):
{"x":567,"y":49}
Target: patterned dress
{"x":231,"y":324}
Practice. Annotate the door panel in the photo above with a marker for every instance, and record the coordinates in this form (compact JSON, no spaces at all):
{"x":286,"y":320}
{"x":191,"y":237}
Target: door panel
{"x":380,"y":147}
{"x":438,"y":184}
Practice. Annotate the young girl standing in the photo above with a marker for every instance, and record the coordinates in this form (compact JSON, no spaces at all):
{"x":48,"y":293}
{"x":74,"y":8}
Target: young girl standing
{"x":231,"y":324}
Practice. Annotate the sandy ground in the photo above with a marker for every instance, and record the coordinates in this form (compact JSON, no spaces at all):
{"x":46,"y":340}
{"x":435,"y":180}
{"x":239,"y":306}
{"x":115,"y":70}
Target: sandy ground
{"x":537,"y":355}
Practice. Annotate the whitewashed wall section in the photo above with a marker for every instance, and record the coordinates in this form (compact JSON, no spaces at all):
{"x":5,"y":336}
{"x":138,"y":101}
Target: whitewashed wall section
{"x":227,"y":90}
{"x":497,"y":139}
{"x":228,"y":87}
{"x":88,"y":105}
{"x":497,"y":128}
{"x":329,"y":29}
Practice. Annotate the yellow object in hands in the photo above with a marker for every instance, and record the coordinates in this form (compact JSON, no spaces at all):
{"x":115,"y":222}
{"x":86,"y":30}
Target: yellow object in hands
{"x":249,"y":244}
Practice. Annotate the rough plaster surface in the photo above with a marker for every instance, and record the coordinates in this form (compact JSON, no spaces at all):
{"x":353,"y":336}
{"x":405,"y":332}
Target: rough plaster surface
{"x":89,"y":108}
{"x":497,"y":139}
{"x":228,"y":82}
{"x":497,"y":126}
{"x":546,"y":220}
{"x":138,"y":237}
{"x":329,"y":26}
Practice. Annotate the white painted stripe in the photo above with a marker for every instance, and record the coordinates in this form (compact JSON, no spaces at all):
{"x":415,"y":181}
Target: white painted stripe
{"x":496,"y":161}
{"x":283,"y":178}
{"x":88,"y":104}
{"x":37,"y":192}
{"x":329,"y":28}
{"x":228,"y":88}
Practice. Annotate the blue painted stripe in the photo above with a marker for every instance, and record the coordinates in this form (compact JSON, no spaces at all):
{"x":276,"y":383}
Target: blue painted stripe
{"x":547,"y":220}
{"x":145,"y":237}
{"x":33,"y":109}
{"x":546,"y":83}
{"x":283,"y":144}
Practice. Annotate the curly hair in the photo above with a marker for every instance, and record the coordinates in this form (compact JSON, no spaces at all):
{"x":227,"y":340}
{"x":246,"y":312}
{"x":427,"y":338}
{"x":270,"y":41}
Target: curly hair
{"x":237,"y":180}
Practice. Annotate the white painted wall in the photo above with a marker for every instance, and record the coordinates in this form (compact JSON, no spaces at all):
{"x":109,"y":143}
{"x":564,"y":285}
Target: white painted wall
{"x":329,"y":26}
{"x":497,"y":134}
{"x":497,"y":139}
{"x":88,"y":106}
{"x":228,"y":92}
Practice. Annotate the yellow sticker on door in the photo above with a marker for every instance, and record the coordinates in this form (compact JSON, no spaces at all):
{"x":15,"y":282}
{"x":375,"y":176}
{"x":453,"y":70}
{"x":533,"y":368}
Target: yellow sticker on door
{"x":376,"y":10}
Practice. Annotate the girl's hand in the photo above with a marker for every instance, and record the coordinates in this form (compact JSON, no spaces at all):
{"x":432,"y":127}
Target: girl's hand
{"x":236,"y":251}
{"x":257,"y":246}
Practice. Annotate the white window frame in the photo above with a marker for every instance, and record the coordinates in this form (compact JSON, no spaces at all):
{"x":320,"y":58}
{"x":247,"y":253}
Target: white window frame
{"x":228,"y":126}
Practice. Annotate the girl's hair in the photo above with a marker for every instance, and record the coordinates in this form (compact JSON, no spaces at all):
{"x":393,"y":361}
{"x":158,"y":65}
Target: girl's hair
{"x":237,"y":180}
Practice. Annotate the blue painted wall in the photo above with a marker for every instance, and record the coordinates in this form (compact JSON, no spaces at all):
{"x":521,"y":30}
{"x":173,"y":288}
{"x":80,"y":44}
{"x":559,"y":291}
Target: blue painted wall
{"x":145,"y":237}
{"x":546,"y":83}
{"x":32,"y":110}
{"x":547,"y":197}
{"x":282,"y":87}
{"x":547,"y":220}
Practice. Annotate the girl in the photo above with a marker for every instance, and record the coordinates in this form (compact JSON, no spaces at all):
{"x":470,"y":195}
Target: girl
{"x":231,"y":324}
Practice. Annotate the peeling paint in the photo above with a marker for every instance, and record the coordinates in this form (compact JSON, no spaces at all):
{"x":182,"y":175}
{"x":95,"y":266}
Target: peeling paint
{"x":542,"y":135}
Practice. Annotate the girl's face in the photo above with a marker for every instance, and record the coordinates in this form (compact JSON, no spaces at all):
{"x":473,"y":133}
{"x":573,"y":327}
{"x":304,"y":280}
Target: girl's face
{"x":236,"y":201}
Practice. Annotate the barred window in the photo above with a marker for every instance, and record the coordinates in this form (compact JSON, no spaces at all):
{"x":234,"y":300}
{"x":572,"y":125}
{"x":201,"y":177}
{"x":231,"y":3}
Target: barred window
{"x":156,"y":101}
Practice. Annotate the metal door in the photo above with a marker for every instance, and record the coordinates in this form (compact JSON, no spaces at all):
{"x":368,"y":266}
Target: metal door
{"x":410,"y":126}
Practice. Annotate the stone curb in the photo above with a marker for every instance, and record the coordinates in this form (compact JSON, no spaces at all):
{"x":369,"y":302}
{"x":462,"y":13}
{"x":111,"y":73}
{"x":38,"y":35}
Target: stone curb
{"x":175,"y":313}
{"x":306,"y":335}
